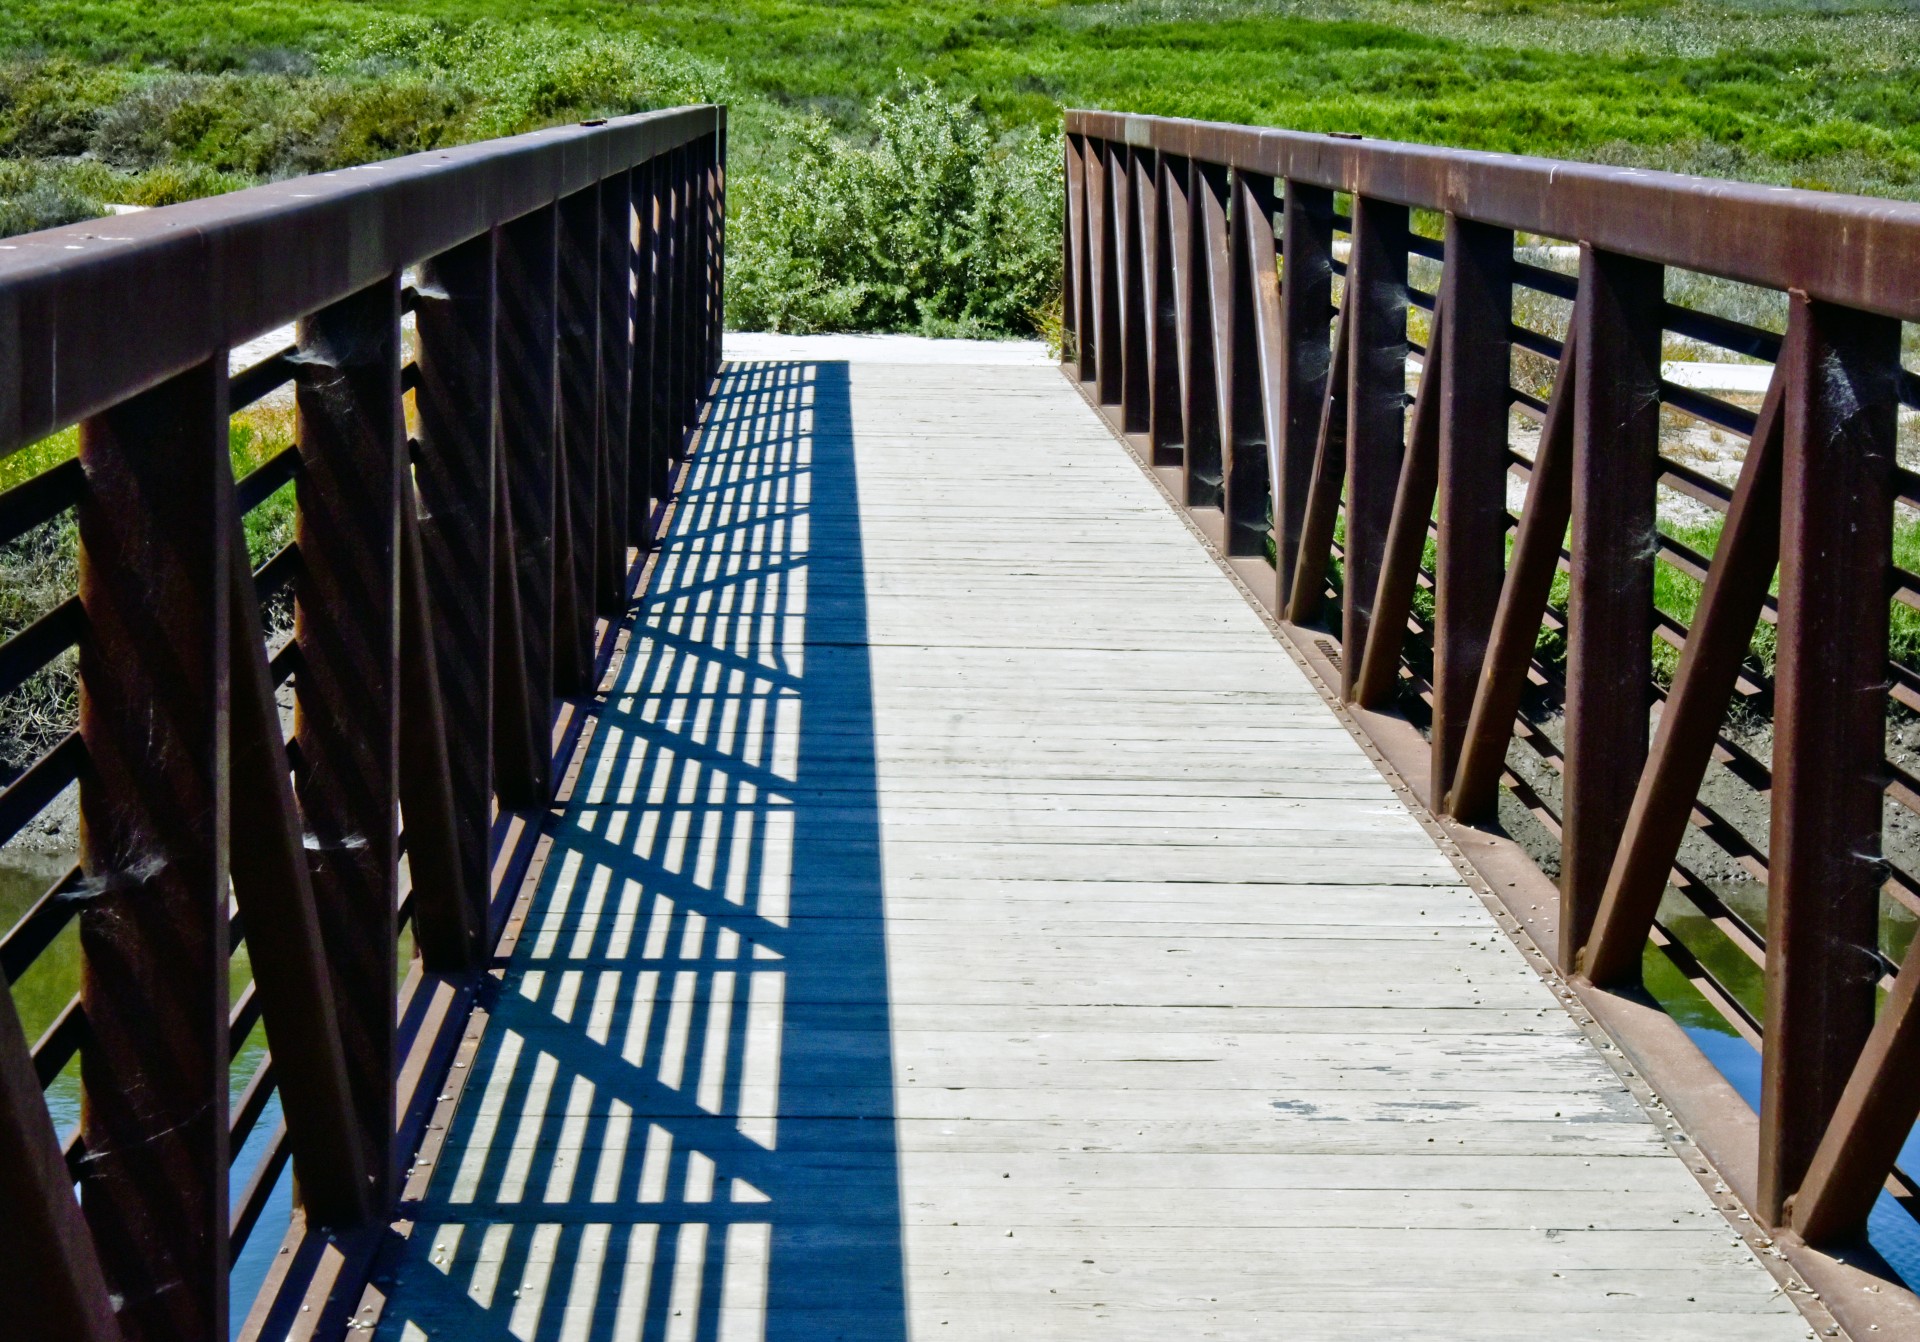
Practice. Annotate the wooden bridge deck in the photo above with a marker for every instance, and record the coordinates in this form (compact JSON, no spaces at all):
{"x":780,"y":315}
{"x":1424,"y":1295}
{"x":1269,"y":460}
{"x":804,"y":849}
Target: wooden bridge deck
{"x":968,"y":923}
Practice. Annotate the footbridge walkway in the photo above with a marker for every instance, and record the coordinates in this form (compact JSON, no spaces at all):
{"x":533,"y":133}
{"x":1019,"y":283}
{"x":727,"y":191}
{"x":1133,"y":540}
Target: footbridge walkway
{"x":1373,"y":799}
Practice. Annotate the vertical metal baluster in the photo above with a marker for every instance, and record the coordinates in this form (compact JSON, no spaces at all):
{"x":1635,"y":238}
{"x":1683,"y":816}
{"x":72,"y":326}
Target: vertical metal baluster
{"x":1200,"y":410}
{"x":456,"y":408}
{"x":1306,"y":355}
{"x":616,"y":377}
{"x":1823,"y":861}
{"x":347,"y":691}
{"x":154,"y":522}
{"x":1080,"y":172}
{"x":1375,"y":304}
{"x":1130,"y":170}
{"x":1476,"y":289}
{"x":1254,"y":289}
{"x":527,"y":333}
{"x":1104,"y":299}
{"x":1163,"y":338}
{"x":1176,"y":224}
{"x":1616,"y":441}
{"x":578,"y":270}
{"x":647,"y":467}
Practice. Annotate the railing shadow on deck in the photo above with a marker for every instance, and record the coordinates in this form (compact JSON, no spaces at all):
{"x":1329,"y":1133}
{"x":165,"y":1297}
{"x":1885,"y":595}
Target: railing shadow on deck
{"x":681,"y":1123}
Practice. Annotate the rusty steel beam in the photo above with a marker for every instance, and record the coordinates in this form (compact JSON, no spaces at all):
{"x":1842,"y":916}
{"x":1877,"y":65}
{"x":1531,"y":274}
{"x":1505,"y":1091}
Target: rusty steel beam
{"x":646,"y":464}
{"x":285,"y":947}
{"x":527,"y":333}
{"x":1328,"y":476}
{"x":1078,"y":313}
{"x":1824,"y":870}
{"x":449,"y":926}
{"x":1870,"y":1124}
{"x":347,"y":693}
{"x":616,"y":392}
{"x":1374,"y":306}
{"x":1379,"y":673}
{"x":1839,"y":249}
{"x":457,"y":409}
{"x":1163,"y":328}
{"x":1104,"y":251}
{"x":49,"y":1272}
{"x":1616,"y":454}
{"x":1474,"y":792}
{"x":1717,"y":641}
{"x":575,"y":583}
{"x":1202,"y":469}
{"x":1469,"y":552}
{"x":519,"y":762}
{"x":1252,"y":304}
{"x":1306,"y":356}
{"x":155,"y":521}
{"x":102,"y":314}
{"x":1133,"y":181}
{"x":1176,"y":308}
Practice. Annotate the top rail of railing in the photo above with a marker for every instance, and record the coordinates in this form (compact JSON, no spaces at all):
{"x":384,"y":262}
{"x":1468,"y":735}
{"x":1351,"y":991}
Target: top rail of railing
{"x":1854,"y":250}
{"x":96,"y":312}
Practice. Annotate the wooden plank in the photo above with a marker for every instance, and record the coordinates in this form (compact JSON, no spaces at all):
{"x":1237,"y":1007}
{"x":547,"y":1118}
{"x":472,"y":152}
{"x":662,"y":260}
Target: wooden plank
{"x":968,"y":921}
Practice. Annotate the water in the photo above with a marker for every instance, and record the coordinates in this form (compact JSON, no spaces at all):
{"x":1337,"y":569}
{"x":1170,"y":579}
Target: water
{"x":1891,"y":1230}
{"x":44,"y":991}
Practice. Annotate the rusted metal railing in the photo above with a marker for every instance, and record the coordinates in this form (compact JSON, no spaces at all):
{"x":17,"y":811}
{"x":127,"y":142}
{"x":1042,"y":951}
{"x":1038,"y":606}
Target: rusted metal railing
{"x":1203,"y":265}
{"x":501,"y":351}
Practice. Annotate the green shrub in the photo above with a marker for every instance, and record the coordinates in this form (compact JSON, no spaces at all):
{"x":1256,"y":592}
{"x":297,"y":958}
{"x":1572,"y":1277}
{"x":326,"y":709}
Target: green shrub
{"x":936,"y":225}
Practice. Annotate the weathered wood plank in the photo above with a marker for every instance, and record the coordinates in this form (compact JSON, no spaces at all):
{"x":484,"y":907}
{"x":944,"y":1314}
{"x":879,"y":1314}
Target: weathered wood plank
{"x":968,"y":922}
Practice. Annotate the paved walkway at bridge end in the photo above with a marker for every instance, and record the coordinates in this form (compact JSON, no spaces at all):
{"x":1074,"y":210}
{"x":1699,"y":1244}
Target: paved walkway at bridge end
{"x":967,"y":922}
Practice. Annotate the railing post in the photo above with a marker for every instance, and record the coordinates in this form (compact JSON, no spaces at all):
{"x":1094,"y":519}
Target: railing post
{"x":674,"y":323}
{"x":686,"y":291}
{"x":1109,"y":349}
{"x":715,"y":254}
{"x":1306,"y":354}
{"x":719,"y":246}
{"x":1176,"y":226}
{"x":1200,"y":399}
{"x":646,"y":463}
{"x":1163,"y":335}
{"x":1080,"y":318}
{"x":1476,"y":291}
{"x":1616,"y":443}
{"x":155,"y":521}
{"x":1254,"y":289}
{"x":578,"y":271}
{"x":526,"y":335}
{"x":456,"y":408}
{"x":1136,"y":317}
{"x":347,"y":720}
{"x":1375,"y":299}
{"x":616,"y":393}
{"x":1823,"y":862}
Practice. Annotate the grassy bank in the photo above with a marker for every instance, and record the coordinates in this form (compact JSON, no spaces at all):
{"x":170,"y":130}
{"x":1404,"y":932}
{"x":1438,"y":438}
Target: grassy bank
{"x":185,"y":97}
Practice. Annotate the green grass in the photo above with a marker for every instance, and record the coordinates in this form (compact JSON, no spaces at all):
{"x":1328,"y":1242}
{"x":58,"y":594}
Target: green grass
{"x":1821,"y":94}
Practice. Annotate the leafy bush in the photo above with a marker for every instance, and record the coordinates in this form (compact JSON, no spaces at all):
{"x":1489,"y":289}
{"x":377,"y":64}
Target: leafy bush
{"x":936,"y":225}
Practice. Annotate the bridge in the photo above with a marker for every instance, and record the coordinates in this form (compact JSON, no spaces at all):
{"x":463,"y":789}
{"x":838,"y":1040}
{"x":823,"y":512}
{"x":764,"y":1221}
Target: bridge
{"x":704,"y":836}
